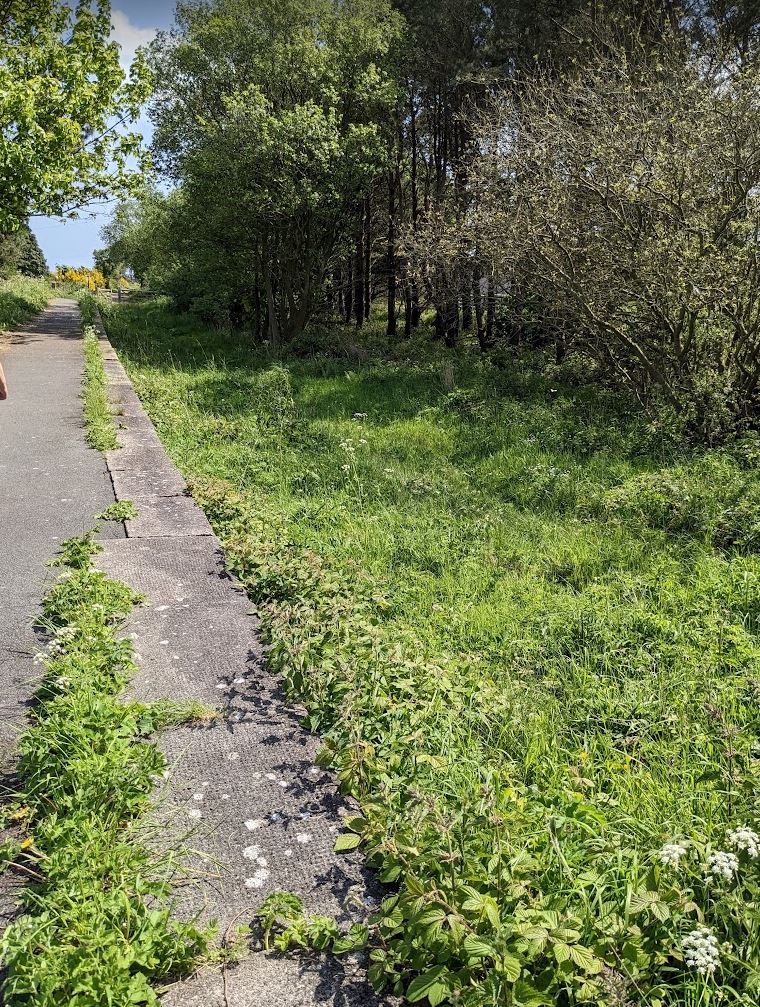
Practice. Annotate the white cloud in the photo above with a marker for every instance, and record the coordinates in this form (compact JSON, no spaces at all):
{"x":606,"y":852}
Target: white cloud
{"x":129,"y":36}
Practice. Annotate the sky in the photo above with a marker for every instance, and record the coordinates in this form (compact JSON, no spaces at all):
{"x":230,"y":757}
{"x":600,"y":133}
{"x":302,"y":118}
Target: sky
{"x":72,"y":242}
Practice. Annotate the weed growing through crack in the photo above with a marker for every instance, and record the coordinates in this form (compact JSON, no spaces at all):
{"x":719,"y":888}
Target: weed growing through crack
{"x":120,"y":510}
{"x":97,"y":927}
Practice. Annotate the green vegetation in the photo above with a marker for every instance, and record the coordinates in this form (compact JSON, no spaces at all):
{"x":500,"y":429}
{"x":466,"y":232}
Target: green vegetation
{"x":61,"y":88}
{"x":20,"y":253}
{"x":120,"y":510}
{"x":525,"y":624}
{"x":20,"y":298}
{"x":97,"y":927}
{"x":98,"y":417}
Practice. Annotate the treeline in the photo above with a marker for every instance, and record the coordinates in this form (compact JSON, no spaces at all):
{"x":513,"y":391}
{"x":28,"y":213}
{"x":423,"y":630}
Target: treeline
{"x":20,"y":252}
{"x":579,"y":177}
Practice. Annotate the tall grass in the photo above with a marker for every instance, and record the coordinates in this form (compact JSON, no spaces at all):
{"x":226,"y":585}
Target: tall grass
{"x":526,"y":625}
{"x":20,"y":298}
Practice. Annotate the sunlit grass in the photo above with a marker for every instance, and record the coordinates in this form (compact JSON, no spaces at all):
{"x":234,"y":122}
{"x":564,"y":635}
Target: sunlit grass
{"x":538,"y":537}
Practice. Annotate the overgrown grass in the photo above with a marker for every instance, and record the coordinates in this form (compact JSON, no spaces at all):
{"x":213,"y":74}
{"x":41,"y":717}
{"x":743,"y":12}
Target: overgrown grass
{"x":526,"y":626}
{"x":97,"y":927}
{"x":99,"y":422}
{"x":20,"y":298}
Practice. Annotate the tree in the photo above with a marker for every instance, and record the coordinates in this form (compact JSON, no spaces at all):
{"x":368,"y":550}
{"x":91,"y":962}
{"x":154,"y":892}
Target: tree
{"x":63,"y":97}
{"x":621,"y":204}
{"x":272,"y":117}
{"x":20,"y":253}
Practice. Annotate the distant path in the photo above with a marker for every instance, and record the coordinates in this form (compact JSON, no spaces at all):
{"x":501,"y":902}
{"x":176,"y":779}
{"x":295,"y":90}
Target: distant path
{"x":51,"y":487}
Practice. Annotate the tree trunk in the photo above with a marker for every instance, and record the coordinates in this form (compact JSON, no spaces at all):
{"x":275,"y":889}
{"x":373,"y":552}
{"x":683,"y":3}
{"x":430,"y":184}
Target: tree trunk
{"x":490,"y":310}
{"x":478,"y":304}
{"x":274,"y":324}
{"x":451,"y":316}
{"x":348,"y":292}
{"x":359,"y":279}
{"x":367,"y":255}
{"x":391,"y":254}
{"x":466,"y":311}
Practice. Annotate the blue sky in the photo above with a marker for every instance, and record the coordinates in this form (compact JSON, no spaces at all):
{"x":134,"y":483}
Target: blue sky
{"x":72,"y":242}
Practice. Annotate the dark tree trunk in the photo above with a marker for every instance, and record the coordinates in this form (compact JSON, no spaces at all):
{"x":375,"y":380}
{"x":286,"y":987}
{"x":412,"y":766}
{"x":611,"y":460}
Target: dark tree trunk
{"x":338,"y":285}
{"x":407,"y":311}
{"x":391,"y":254}
{"x":367,"y":256}
{"x":359,"y":278}
{"x":490,"y":310}
{"x":348,"y":291}
{"x":478,"y":304}
{"x":451,"y":316}
{"x":466,"y":311}
{"x":257,"y":312}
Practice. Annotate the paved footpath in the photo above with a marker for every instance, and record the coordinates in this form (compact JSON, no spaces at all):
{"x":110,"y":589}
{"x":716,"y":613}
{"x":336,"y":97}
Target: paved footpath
{"x":51,"y":486}
{"x":245,"y":793}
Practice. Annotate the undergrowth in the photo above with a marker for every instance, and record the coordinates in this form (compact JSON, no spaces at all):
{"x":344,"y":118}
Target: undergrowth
{"x":96,"y":928}
{"x":525,"y":625}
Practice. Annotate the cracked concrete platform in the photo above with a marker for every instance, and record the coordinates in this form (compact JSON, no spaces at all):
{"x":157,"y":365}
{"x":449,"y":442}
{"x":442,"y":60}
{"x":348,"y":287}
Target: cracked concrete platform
{"x":244,"y":796}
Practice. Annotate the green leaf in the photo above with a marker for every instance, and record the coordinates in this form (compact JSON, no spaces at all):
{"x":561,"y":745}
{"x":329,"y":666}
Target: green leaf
{"x":561,"y":951}
{"x":476,"y":948}
{"x":510,"y":967}
{"x":525,"y":994}
{"x":347,"y":841}
{"x":584,"y":958}
{"x":431,"y":985}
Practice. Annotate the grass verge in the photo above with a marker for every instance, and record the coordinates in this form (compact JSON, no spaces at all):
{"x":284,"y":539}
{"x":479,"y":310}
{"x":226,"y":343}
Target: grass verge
{"x":97,"y":927}
{"x":99,"y":422}
{"x":526,"y":626}
{"x":20,"y":298}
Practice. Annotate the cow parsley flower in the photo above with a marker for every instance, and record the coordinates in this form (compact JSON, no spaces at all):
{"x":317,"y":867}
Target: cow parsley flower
{"x":723,"y":864}
{"x":700,"y":949}
{"x":671,"y":854}
{"x":745,"y":839}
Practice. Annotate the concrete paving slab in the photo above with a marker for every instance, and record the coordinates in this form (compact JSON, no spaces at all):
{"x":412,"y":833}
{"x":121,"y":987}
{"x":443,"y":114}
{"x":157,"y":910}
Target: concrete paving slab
{"x":174,"y":657}
{"x":124,"y":400}
{"x":139,"y":459}
{"x":138,"y":439}
{"x":174,"y":570}
{"x":167,"y":517}
{"x":133,"y":422}
{"x":135,"y":485}
{"x":259,"y":981}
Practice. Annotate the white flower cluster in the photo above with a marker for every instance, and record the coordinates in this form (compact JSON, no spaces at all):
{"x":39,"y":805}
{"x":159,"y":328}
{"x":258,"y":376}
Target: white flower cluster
{"x":700,"y":949}
{"x":723,"y":864}
{"x":745,"y":839}
{"x":671,"y":853}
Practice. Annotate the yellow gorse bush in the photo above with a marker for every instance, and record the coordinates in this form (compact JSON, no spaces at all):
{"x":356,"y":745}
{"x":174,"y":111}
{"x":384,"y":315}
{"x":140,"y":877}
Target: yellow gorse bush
{"x":93,"y":279}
